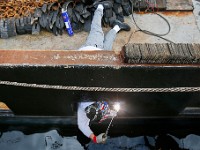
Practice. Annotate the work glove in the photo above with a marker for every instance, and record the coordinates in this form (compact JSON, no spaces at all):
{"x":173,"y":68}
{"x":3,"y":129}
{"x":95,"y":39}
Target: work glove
{"x":7,"y":28}
{"x":36,"y":28}
{"x":27,"y":24}
{"x":101,"y":138}
{"x":11,"y":27}
{"x":20,"y":26}
{"x":3,"y":29}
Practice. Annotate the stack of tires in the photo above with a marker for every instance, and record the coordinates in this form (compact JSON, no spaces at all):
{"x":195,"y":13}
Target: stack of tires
{"x":31,"y":16}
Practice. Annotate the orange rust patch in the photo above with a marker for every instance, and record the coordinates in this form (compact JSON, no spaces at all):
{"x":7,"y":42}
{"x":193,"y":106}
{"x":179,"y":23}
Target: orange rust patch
{"x":3,"y":106}
{"x":50,"y":57}
{"x":177,"y":13}
{"x":169,"y":13}
{"x":141,"y":12}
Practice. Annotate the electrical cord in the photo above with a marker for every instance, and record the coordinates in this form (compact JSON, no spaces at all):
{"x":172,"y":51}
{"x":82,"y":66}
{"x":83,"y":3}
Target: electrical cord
{"x":149,"y":32}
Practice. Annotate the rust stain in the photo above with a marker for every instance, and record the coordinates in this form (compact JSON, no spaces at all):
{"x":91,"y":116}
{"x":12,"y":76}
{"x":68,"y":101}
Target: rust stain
{"x":177,"y":13}
{"x":170,"y":13}
{"x":102,"y":58}
{"x":142,"y":12}
{"x":39,"y":57}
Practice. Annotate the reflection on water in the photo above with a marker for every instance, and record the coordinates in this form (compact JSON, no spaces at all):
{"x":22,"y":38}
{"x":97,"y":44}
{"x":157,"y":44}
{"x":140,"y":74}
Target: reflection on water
{"x":51,"y":140}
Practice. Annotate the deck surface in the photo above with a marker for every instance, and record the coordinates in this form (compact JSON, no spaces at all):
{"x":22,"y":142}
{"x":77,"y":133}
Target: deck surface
{"x":179,"y":5}
{"x":183,"y":30}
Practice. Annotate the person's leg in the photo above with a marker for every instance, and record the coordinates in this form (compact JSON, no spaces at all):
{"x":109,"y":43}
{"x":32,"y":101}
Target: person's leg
{"x":109,"y":38}
{"x":96,"y":35}
{"x":111,"y":35}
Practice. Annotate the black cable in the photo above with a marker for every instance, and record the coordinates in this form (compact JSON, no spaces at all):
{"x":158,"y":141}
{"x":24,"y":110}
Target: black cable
{"x":149,"y":32}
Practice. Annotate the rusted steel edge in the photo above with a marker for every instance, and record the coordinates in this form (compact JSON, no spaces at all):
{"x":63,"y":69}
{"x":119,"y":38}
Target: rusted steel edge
{"x":58,"y":57}
{"x":71,"y":57}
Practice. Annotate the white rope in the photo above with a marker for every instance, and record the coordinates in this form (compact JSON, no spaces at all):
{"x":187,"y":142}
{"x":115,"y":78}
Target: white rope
{"x":101,"y":89}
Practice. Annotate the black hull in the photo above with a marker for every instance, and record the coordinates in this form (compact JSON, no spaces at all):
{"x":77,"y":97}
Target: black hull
{"x":61,"y":104}
{"x":52,"y":102}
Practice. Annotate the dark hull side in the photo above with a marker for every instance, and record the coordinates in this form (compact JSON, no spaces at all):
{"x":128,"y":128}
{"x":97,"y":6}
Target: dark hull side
{"x":36,"y":109}
{"x":51,"y":102}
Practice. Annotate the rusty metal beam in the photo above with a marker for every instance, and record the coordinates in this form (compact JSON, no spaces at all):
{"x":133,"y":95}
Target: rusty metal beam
{"x":50,"y":57}
{"x":70,"y":57}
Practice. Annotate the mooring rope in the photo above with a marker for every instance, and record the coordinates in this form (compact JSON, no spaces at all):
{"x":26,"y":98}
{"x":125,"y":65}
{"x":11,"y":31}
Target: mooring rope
{"x":101,"y":89}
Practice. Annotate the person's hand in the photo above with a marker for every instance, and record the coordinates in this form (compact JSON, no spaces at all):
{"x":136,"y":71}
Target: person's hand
{"x":101,"y":138}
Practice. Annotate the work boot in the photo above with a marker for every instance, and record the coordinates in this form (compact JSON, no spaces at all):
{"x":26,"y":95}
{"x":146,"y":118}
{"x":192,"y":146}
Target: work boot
{"x":122,"y":26}
{"x":106,"y":4}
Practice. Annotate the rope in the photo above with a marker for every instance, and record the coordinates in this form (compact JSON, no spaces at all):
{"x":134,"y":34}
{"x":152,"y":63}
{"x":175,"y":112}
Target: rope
{"x":101,"y":89}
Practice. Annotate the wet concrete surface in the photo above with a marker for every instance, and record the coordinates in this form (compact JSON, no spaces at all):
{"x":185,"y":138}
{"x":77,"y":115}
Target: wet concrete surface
{"x":184,"y":29}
